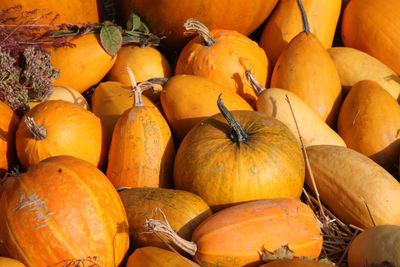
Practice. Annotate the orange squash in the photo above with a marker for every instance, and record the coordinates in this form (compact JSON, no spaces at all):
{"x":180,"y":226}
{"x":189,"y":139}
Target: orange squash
{"x":296,"y":263}
{"x":69,"y":210}
{"x":223,"y":56}
{"x":369,"y":122}
{"x":58,"y":127}
{"x":142,"y":150}
{"x":8,"y":126}
{"x":9,"y":262}
{"x":81,"y":66}
{"x":64,"y":93}
{"x":305,"y":68}
{"x":188,"y":100}
{"x":285,"y":23}
{"x":380,"y":34}
{"x":253,"y":156}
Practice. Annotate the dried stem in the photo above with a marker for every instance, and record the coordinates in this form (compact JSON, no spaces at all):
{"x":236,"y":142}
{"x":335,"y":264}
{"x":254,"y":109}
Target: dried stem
{"x":138,"y":89}
{"x":38,"y":132}
{"x":369,"y":211}
{"x":306,"y":26}
{"x":257,"y":87}
{"x":193,"y":25}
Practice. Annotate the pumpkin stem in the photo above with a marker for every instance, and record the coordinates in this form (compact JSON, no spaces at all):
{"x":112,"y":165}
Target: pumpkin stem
{"x":238,"y":134}
{"x":195,"y":25}
{"x":257,"y":87}
{"x":138,"y":89}
{"x":163,"y":227}
{"x":306,"y":26}
{"x":38,"y":132}
{"x":160,"y":81}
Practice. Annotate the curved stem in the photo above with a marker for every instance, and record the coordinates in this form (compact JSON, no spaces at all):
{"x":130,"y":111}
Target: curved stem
{"x":238,"y":134}
{"x":160,"y":81}
{"x":195,"y":25}
{"x":138,"y":89}
{"x":257,"y":87}
{"x":38,"y":132}
{"x":306,"y":26}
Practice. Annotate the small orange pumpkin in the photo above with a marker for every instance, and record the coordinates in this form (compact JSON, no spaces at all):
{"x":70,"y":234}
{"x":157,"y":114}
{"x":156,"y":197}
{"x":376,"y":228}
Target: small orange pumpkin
{"x":9,"y":262}
{"x":8,"y":126}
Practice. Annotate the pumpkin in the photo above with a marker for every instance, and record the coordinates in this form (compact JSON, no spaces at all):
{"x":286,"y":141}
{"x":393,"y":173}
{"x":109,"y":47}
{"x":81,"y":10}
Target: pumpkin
{"x":142,"y":150}
{"x":296,"y":263}
{"x":380,"y":34}
{"x":145,"y":63}
{"x":236,"y":236}
{"x":305,"y":68}
{"x":8,"y":126}
{"x":189,"y":99}
{"x":369,"y":122}
{"x":285,"y":23}
{"x":83,"y":65}
{"x":223,"y":56}
{"x":58,"y":127}
{"x":354,"y":66}
{"x":377,"y":245}
{"x":64,"y":93}
{"x":224,"y":14}
{"x":110,"y":100}
{"x":275,"y":103}
{"x":253,"y":156}
{"x":356,"y":189}
{"x":157,"y":257}
{"x":184,"y":210}
{"x":62,"y":210}
{"x":9,"y":262}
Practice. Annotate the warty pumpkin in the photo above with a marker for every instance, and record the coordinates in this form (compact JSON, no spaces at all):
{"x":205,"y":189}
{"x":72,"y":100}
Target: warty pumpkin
{"x":369,"y":122}
{"x":356,"y":189}
{"x":58,"y":127}
{"x":238,"y":235}
{"x":253,"y":156}
{"x":285,"y":23}
{"x":62,"y":210}
{"x":380,"y":34}
{"x":305,"y":68}
{"x":188,"y":99}
{"x":142,"y":150}
{"x":8,"y":126}
{"x":223,"y":56}
{"x":64,"y":93}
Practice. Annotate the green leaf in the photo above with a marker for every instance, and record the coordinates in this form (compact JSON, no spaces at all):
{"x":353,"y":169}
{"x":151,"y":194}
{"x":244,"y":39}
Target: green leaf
{"x":111,"y":39}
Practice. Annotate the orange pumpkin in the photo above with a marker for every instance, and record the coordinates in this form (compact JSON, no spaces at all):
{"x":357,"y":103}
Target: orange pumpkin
{"x":253,"y":156}
{"x":8,"y":126}
{"x":64,"y":93}
{"x":61,"y":210}
{"x":305,"y":68}
{"x":296,"y":263}
{"x":9,"y":262}
{"x":58,"y":127}
{"x":223,"y":56}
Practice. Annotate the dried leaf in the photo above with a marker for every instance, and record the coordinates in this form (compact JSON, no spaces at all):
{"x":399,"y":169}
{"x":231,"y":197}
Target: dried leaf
{"x":282,"y":253}
{"x":111,"y":39}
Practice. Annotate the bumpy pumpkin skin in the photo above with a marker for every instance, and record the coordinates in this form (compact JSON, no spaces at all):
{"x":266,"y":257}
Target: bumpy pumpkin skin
{"x":296,"y":263}
{"x":374,"y":246}
{"x":81,"y":66}
{"x":380,"y":34}
{"x":8,"y":126}
{"x":71,"y":130}
{"x":285,"y":23}
{"x":226,"y":61}
{"x":142,"y":150}
{"x":184,"y":210}
{"x":354,"y":66}
{"x":223,"y":14}
{"x":68,"y":209}
{"x":237,"y":235}
{"x":369,"y":122}
{"x":268,"y":165}
{"x":187,"y":100}
{"x":156,"y":257}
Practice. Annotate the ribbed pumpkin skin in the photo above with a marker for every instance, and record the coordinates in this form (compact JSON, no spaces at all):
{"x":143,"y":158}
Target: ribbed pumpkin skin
{"x":306,"y":69}
{"x":226,"y":61}
{"x":71,"y":130}
{"x":369,"y":122}
{"x":223,"y":14}
{"x":268,"y":165}
{"x":188,"y":99}
{"x":142,"y":150}
{"x":64,"y":93}
{"x":8,"y":126}
{"x":184,"y":210}
{"x":354,"y":65}
{"x":63,"y":209}
{"x":235,"y":236}
{"x":156,"y":257}
{"x":380,"y":34}
{"x":285,"y":23}
{"x":345,"y":177}
{"x":81,"y":66}
{"x":375,"y":245}
{"x":9,"y":262}
{"x":296,"y":263}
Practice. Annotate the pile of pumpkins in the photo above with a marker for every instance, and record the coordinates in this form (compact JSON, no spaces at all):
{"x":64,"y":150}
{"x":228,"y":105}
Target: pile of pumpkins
{"x":209,"y":158}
